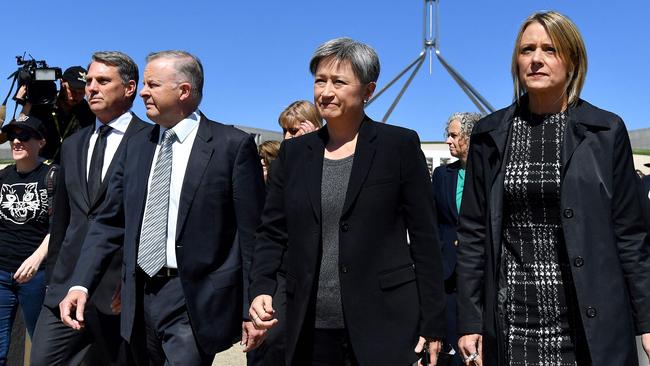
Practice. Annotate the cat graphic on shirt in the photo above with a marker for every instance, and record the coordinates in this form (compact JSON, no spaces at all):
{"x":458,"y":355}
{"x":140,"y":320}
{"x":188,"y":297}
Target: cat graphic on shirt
{"x":19,"y":202}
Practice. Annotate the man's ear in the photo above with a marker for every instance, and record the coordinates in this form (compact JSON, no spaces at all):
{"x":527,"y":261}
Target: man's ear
{"x":186,"y":91}
{"x":131,"y":88}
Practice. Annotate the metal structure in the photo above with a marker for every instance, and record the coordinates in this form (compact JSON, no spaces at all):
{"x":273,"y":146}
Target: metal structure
{"x":432,"y":45}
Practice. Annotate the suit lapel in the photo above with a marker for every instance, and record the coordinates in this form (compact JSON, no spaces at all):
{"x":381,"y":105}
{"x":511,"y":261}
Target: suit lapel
{"x":315,"y":169}
{"x":145,"y":153}
{"x":199,"y":158}
{"x":81,"y":172}
{"x":363,"y":156}
{"x":135,"y":125}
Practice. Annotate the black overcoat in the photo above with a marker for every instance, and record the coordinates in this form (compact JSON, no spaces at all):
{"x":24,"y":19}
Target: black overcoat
{"x":391,"y":291}
{"x":606,"y":238}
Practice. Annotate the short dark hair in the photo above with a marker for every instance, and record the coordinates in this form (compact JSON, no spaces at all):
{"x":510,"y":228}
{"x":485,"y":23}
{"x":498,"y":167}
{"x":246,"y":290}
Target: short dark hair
{"x":126,"y":67}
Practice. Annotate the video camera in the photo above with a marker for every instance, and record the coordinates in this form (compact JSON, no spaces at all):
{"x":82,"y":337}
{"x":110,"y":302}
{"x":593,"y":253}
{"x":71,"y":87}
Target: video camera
{"x":39,"y":79}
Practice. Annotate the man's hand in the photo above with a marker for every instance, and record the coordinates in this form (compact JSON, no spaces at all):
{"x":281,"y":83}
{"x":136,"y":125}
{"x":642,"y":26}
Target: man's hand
{"x":261,"y":312}
{"x":471,"y":349}
{"x":75,"y":301}
{"x":251,"y":338}
{"x":28,"y":268}
{"x":645,"y":341}
{"x":116,"y":300}
{"x":433,"y":346}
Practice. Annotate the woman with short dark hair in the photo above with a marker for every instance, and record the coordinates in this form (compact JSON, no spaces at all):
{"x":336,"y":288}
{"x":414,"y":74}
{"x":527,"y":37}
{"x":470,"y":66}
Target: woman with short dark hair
{"x":339,"y":203}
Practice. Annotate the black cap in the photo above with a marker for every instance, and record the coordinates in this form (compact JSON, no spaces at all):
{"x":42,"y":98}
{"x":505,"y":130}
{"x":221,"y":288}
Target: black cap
{"x":27,"y":123}
{"x":75,"y":76}
{"x":647,"y":164}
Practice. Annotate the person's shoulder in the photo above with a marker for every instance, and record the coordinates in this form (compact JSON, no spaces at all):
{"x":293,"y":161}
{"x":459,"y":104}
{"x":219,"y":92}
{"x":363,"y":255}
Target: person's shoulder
{"x":493,"y":120}
{"x":223,"y":129}
{"x":75,"y":138}
{"x":587,"y":113}
{"x":138,"y":123}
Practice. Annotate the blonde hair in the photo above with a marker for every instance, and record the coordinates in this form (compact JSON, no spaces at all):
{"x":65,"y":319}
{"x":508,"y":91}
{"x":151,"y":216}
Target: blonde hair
{"x":297,"y":112}
{"x":268,"y":151}
{"x":570,"y":49}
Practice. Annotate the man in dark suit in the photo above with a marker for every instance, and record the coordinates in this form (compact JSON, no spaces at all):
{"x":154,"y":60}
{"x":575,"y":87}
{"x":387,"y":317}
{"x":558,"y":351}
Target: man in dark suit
{"x":183,"y":203}
{"x":88,"y":159}
{"x":448,"y":181}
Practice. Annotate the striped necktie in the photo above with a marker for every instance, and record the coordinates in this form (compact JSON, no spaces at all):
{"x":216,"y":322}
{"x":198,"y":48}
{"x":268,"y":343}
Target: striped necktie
{"x":153,"y":237}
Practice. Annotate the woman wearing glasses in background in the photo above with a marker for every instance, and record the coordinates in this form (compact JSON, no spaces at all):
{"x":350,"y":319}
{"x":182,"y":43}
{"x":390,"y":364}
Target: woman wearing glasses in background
{"x":26,"y":190}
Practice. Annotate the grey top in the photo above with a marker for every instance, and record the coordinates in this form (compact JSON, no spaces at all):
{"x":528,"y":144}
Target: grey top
{"x":334,"y":185}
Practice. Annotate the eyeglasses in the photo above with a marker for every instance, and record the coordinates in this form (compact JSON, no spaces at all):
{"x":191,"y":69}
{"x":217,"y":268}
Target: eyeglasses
{"x":292,"y":130}
{"x":22,"y":136}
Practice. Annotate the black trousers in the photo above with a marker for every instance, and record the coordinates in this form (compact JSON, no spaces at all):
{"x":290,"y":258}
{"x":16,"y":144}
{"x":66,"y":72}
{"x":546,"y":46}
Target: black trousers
{"x":98,"y":343}
{"x":326,"y":347}
{"x":162,"y":333}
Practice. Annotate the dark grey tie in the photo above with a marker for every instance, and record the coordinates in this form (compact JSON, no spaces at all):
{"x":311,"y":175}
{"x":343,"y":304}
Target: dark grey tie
{"x":153,"y":237}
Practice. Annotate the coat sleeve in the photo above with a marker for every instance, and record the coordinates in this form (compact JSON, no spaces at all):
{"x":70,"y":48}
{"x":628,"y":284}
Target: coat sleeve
{"x":271,"y":236}
{"x":631,"y":230}
{"x":420,"y":214}
{"x":59,"y":222}
{"x":248,"y":197}
{"x":472,"y":236}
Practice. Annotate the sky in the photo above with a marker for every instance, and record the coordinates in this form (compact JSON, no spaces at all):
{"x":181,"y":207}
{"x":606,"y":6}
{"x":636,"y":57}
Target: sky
{"x":256,"y":53}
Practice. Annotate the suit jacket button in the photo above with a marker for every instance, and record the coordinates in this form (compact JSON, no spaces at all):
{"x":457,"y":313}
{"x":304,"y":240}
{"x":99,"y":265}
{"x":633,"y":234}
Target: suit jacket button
{"x":456,"y":242}
{"x":578,"y":262}
{"x":568,"y":213}
{"x":91,"y":217}
{"x":344,"y":269}
{"x":345,"y":227}
{"x":591,"y":312}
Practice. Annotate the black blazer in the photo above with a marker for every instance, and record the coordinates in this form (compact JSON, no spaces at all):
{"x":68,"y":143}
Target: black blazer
{"x":444,"y":182}
{"x":607,"y":241}
{"x":218,"y":212}
{"x":73,"y":213}
{"x":391,"y":292}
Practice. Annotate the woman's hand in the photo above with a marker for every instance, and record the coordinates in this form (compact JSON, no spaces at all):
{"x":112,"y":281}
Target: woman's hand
{"x":305,"y":128}
{"x":433,"y":346}
{"x":471,"y":349}
{"x":261,"y":312}
{"x":645,"y":341}
{"x":29,"y":267}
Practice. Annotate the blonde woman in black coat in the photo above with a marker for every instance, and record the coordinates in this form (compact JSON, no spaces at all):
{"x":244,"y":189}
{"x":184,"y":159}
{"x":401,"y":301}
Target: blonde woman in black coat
{"x":553,"y":261}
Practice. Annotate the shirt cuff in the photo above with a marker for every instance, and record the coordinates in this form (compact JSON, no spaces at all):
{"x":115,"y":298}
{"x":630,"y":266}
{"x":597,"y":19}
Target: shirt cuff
{"x":79,"y":288}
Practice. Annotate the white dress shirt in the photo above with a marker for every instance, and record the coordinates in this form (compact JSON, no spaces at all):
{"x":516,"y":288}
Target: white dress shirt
{"x":181,"y":148}
{"x":113,"y":139}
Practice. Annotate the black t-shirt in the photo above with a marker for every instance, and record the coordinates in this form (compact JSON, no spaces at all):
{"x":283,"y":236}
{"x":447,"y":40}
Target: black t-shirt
{"x":60,"y":125}
{"x":24,"y":219}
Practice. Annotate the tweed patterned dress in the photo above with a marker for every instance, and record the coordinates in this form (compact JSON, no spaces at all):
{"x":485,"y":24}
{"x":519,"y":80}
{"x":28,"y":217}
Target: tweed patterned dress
{"x":537,"y":277}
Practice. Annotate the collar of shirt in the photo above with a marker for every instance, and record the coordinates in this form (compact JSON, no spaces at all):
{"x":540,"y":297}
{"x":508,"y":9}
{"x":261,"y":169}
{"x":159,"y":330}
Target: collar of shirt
{"x":119,"y":124}
{"x":184,"y":127}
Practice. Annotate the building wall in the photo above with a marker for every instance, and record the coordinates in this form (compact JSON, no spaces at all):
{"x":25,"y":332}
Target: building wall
{"x":640,"y":139}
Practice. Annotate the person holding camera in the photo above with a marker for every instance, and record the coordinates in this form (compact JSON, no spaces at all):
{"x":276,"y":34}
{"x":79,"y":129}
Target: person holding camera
{"x":68,"y":114}
{"x":26,"y":190}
